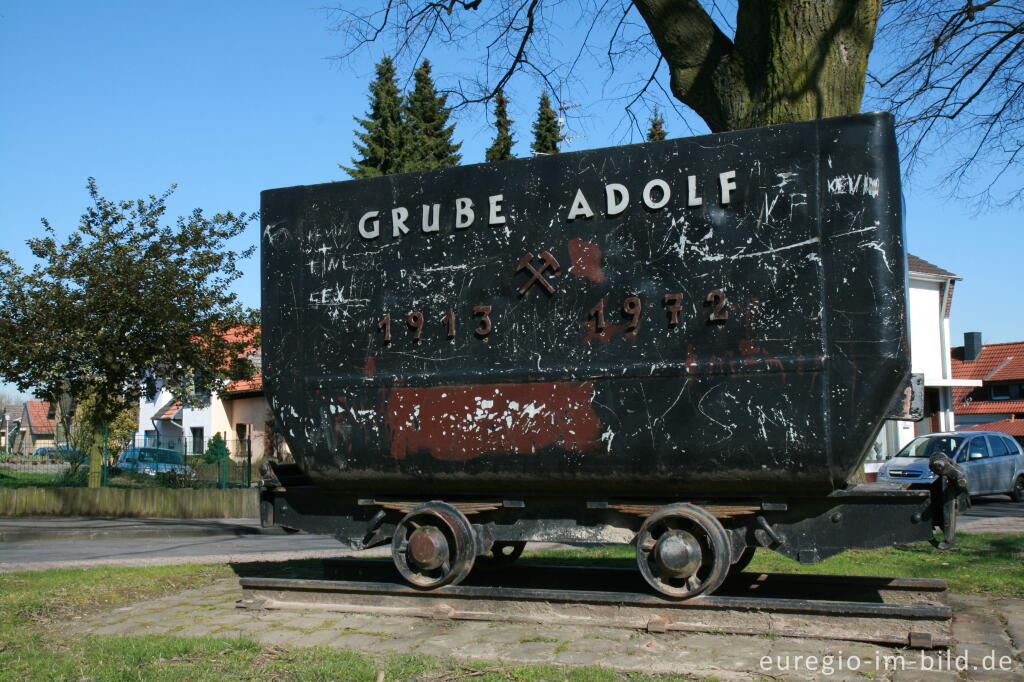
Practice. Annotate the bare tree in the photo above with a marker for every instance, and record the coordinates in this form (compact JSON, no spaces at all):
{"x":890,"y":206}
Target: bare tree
{"x":959,"y":76}
{"x":776,"y":61}
{"x":949,"y":66}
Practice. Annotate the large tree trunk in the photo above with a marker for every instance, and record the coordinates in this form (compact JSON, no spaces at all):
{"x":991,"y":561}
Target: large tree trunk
{"x":792,"y":60}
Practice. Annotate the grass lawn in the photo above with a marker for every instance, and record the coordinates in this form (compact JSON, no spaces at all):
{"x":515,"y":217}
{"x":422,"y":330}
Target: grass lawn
{"x":29,"y":479}
{"x":33,"y":605}
{"x":980,"y":564}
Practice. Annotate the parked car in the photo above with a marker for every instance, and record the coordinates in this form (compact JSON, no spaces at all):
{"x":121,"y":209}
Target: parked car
{"x":153,"y":461}
{"x":61,"y":453}
{"x":993,"y":462}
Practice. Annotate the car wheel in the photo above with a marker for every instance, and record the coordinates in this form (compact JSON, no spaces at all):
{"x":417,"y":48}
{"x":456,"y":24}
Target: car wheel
{"x":1017,"y":494}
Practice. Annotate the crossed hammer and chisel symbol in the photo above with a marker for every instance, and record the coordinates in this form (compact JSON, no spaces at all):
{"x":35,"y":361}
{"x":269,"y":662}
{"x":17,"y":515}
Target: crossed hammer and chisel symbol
{"x":537,"y":275}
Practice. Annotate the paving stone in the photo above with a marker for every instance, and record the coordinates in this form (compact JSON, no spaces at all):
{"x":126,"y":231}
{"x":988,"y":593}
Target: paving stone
{"x":306,"y":621}
{"x":116,"y":629}
{"x":368,"y":644}
{"x":984,"y":661}
{"x":178,"y":621}
{"x":575,"y":658}
{"x":211,"y":612}
{"x":321,"y":638}
{"x":153,"y":629}
{"x":990,"y":633}
{"x":230,"y":618}
{"x":232,"y":633}
{"x":532,"y":652}
{"x":275,"y":616}
{"x":197,"y":630}
{"x":281,"y":637}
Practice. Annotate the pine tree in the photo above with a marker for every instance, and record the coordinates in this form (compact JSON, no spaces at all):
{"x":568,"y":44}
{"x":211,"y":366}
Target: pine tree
{"x":546,"y":132}
{"x":382,"y":146}
{"x":430,"y":136}
{"x":501,"y":148}
{"x":657,"y":131}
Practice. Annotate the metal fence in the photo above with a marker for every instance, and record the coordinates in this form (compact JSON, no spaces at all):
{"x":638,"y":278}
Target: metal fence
{"x":133,"y":464}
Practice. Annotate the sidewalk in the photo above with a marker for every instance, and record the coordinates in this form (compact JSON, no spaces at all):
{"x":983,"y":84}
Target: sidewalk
{"x":26,"y":528}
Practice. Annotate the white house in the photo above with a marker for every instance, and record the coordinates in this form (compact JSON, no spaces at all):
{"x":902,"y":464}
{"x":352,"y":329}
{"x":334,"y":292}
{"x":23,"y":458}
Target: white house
{"x":929,"y":299}
{"x":239,"y":414}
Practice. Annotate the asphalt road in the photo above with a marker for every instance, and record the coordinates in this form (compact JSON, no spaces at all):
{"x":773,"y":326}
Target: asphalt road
{"x":43,"y":554}
{"x":995,"y":514}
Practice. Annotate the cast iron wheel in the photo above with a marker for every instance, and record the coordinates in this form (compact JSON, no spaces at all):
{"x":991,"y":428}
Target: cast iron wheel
{"x":503,"y":553}
{"x":683,"y":551}
{"x":434,"y":545}
{"x":745,"y":558}
{"x":1017,"y":494}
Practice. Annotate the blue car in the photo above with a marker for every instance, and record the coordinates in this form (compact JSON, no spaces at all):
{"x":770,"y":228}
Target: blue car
{"x":993,"y":462}
{"x":153,"y":461}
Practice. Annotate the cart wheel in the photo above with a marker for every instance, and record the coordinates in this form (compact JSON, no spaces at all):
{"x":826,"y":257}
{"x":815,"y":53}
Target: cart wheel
{"x":683,"y":551}
{"x":503,"y":553}
{"x":434,"y":545}
{"x":1017,"y":494}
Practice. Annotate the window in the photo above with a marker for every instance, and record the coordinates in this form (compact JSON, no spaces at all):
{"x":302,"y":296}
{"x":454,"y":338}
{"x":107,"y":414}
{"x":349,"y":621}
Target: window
{"x":998,"y":446}
{"x":152,"y":438}
{"x":926,"y":446}
{"x":1000,"y":392}
{"x":197,"y":440}
{"x":977,"y":446}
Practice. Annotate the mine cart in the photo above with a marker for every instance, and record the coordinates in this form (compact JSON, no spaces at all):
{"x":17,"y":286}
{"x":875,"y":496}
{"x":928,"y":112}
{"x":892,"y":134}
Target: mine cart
{"x":685,"y":345}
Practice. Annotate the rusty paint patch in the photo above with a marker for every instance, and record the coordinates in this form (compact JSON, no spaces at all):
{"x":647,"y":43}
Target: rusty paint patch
{"x":458,"y":423}
{"x":370,"y":368}
{"x":586,"y":260}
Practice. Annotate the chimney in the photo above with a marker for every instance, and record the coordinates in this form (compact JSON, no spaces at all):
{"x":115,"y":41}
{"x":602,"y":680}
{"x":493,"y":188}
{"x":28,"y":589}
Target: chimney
{"x":972,"y":346}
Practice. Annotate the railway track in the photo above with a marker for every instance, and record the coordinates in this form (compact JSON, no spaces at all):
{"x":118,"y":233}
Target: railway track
{"x":891,"y":611}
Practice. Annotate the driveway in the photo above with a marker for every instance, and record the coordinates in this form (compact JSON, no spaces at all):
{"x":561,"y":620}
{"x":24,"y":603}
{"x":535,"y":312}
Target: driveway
{"x":993,"y":514}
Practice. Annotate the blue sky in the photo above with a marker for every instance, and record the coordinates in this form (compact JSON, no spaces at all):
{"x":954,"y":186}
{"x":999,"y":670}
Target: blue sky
{"x":228,"y":99}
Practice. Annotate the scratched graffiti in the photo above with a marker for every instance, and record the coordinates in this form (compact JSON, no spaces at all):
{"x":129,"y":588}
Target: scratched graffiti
{"x":711,"y":313}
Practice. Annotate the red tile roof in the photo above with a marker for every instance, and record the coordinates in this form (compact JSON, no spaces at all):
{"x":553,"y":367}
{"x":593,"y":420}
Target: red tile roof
{"x":245,"y":385}
{"x":39,"y":417}
{"x":169,"y":411}
{"x":915,"y":264}
{"x":996,"y":362}
{"x":1011,"y":427}
{"x":987,"y":406}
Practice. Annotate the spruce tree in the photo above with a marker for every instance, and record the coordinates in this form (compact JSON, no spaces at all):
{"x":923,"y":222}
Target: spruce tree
{"x":657,"y":131}
{"x":430,"y":136}
{"x":546,"y":132}
{"x":382,"y":144}
{"x":501,"y":148}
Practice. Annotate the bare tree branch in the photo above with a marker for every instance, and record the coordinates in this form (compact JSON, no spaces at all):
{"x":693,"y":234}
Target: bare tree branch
{"x":962,"y":83}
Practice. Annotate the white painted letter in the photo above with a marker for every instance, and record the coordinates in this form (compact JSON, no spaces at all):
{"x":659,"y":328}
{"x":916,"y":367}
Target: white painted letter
{"x":666,"y":193}
{"x":463,"y":213}
{"x":618,"y":198}
{"x":495,"y":201}
{"x":398,"y":218}
{"x":428,"y":224}
{"x":728,"y":182}
{"x":691,"y":191}
{"x":580,"y":207}
{"x":374,"y":224}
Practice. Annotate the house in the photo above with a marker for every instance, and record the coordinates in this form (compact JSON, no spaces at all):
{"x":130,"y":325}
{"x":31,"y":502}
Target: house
{"x":10,"y":423}
{"x":997,"y":404}
{"x":929,"y":301}
{"x":37,"y":428}
{"x":239,"y":413}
